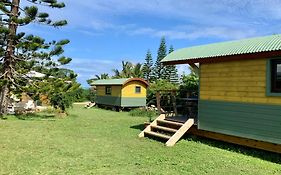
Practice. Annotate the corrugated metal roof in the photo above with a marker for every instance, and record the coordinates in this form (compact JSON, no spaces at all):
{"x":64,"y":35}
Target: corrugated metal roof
{"x":121,"y":81}
{"x":110,"y":82}
{"x":237,"y":47}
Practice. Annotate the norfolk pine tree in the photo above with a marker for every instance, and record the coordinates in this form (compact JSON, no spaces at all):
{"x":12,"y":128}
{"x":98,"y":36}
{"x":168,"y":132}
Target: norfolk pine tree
{"x":148,"y":66}
{"x":171,"y":71}
{"x":159,"y":70}
{"x":20,"y":53}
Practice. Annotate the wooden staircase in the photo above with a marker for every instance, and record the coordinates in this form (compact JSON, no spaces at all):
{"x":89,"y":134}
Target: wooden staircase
{"x":170,"y":131}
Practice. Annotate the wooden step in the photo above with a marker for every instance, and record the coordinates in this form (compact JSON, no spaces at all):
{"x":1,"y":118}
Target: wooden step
{"x":162,"y":128}
{"x":173,"y":140}
{"x":154,"y":123}
{"x":156,"y":134}
{"x":170,"y":122}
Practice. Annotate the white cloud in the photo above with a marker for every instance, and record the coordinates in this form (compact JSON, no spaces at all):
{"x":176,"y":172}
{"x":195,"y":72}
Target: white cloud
{"x":197,"y":9}
{"x":180,"y":19}
{"x":228,"y":19}
{"x":91,"y":66}
{"x":196,"y":33}
{"x":87,"y":68}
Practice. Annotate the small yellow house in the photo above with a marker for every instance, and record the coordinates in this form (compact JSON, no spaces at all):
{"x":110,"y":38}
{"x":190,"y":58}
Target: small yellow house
{"x":125,"y":92}
{"x":240,"y":90}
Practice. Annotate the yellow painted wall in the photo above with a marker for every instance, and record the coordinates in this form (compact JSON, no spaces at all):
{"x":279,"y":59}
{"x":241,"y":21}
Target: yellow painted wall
{"x":115,"y":91}
{"x":44,"y":99}
{"x":128,"y":89}
{"x":25,"y":98}
{"x":235,"y":81}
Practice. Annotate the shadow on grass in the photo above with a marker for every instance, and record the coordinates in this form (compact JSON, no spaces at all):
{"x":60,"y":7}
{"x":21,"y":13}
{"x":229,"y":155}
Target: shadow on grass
{"x":34,"y":116}
{"x":257,"y":153}
{"x":138,"y":127}
{"x":253,"y":152}
{"x":73,"y":116}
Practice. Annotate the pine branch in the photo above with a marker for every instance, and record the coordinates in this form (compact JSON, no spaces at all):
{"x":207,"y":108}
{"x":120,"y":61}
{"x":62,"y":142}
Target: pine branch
{"x":49,"y":3}
{"x":4,"y":74}
{"x":18,"y":59}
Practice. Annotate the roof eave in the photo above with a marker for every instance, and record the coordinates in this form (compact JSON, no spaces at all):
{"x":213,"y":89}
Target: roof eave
{"x":136,"y":79}
{"x":268,"y":54}
{"x":121,"y":84}
{"x":106,"y":84}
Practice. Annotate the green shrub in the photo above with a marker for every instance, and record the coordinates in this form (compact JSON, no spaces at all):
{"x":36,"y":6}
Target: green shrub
{"x":189,"y":85}
{"x":142,"y":112}
{"x":50,"y":110}
{"x":34,"y":116}
{"x":136,"y":112}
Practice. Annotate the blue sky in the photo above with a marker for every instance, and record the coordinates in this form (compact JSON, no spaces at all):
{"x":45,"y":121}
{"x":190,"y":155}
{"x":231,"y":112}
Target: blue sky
{"x":105,"y":32}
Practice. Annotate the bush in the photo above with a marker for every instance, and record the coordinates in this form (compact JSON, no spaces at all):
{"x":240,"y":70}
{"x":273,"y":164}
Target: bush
{"x":82,"y":95}
{"x":91,"y":96}
{"x":142,"y":112}
{"x":162,"y":85}
{"x":189,"y":86}
{"x":50,"y":110}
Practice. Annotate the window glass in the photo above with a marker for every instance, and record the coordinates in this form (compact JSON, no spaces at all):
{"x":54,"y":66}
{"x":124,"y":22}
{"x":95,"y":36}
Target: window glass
{"x":138,"y":89}
{"x":108,"y":90}
{"x":276,"y":76}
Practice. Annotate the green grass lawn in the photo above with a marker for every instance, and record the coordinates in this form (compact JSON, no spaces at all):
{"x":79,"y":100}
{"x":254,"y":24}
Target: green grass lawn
{"x":95,"y":141}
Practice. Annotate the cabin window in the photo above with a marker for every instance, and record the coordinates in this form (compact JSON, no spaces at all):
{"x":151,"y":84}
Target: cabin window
{"x":138,"y":90}
{"x":108,"y":90}
{"x":275,"y":76}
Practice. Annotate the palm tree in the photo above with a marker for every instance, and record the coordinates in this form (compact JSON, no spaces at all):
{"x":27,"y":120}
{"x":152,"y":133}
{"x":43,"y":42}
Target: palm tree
{"x":102,"y":76}
{"x":137,"y":71}
{"x":126,"y":69}
{"x":117,"y":74}
{"x":98,"y":77}
{"x":129,"y":70}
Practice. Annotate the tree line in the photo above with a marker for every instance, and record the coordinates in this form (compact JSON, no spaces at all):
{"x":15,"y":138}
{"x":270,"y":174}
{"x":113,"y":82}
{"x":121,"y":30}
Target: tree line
{"x":149,"y":70}
{"x":160,"y":77}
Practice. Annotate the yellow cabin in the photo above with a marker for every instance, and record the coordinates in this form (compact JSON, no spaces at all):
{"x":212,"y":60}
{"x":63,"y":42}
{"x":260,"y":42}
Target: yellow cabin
{"x":125,"y":92}
{"x":240,"y":90}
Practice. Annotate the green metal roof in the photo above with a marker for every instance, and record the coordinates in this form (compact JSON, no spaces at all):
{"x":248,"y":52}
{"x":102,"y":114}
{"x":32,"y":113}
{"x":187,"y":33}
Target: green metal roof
{"x":110,"y":82}
{"x":237,"y":47}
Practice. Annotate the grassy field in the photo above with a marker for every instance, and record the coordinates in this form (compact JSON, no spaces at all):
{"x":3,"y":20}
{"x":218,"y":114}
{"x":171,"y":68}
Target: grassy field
{"x":95,"y":141}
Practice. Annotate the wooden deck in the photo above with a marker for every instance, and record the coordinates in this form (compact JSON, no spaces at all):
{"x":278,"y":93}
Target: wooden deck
{"x":236,"y":140}
{"x":179,"y":118}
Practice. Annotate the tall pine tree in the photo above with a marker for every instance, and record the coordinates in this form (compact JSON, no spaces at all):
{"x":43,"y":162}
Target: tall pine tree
{"x":172,"y":72}
{"x":21,"y":53}
{"x":158,"y":72}
{"x":147,"y":67}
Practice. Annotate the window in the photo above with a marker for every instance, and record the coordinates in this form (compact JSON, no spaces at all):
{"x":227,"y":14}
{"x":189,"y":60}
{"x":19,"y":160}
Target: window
{"x":138,"y":90}
{"x":275,"y":76}
{"x":108,"y":90}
